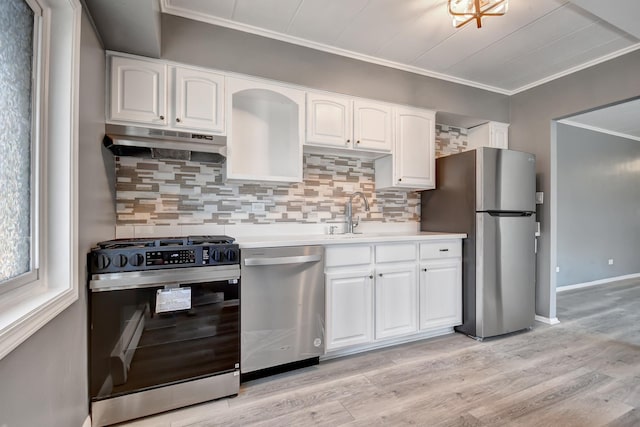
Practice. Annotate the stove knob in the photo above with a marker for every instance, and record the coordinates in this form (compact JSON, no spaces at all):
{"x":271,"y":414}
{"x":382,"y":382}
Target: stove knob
{"x":136,"y":260}
{"x":230,"y":255}
{"x":102,"y":261}
{"x":120,"y":260}
{"x":215,"y":256}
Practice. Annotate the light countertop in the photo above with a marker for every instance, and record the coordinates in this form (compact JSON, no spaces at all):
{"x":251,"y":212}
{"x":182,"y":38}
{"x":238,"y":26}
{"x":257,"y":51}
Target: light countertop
{"x":263,"y":241}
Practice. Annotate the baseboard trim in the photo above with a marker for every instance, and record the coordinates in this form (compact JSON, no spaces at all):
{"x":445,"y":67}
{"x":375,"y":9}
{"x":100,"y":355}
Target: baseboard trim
{"x":597,"y":282}
{"x":87,"y":421}
{"x":547,"y":320}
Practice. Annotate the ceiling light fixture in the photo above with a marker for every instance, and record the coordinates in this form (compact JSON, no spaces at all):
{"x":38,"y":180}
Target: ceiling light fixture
{"x":465,"y":11}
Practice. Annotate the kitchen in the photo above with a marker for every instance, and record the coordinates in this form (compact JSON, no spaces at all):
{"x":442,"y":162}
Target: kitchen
{"x":529,"y":114}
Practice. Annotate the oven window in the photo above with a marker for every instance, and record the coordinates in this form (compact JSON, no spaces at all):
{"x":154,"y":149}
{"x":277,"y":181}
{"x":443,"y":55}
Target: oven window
{"x":150,"y":337}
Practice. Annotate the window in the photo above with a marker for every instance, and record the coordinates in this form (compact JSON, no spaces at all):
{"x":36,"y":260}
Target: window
{"x":18,"y":142}
{"x":39,"y":77}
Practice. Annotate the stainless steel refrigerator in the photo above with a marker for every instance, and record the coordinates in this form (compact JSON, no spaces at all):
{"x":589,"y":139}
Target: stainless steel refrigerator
{"x":489,"y":193}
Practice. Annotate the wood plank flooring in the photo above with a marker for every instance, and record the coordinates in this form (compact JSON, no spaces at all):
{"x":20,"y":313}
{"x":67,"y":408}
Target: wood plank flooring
{"x":583,"y":372}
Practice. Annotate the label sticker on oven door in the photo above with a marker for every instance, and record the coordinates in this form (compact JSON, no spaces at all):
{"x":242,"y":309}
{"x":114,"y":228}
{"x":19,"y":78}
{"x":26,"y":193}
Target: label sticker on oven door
{"x":173,"y":299}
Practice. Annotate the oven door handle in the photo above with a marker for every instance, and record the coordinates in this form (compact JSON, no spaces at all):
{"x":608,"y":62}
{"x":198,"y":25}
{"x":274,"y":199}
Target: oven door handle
{"x":255,"y":262}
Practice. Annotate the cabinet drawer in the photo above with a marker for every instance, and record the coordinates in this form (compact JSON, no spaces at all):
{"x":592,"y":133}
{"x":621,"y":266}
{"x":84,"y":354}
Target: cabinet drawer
{"x":441,"y":249}
{"x":396,"y":252}
{"x":338,"y":256}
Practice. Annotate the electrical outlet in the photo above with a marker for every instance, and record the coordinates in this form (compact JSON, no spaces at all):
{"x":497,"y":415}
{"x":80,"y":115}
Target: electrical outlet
{"x":539,"y":197}
{"x":610,"y":261}
{"x":558,"y":269}
{"x":257,"y":207}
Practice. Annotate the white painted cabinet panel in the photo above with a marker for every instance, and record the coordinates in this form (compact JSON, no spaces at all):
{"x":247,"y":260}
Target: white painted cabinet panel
{"x":329,"y":120}
{"x":354,"y":126}
{"x":198,"y":100}
{"x":412,"y":165}
{"x":372,"y":126}
{"x":395,"y":305}
{"x":138,"y":91}
{"x":490,"y":134}
{"x":349,"y":308}
{"x":440,"y":293}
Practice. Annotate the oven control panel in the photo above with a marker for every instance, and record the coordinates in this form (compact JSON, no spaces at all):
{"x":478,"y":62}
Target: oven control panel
{"x":179,"y":256}
{"x":141,"y":259}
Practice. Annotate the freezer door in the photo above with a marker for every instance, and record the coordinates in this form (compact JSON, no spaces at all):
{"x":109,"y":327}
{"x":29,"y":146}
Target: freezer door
{"x":505,"y":181}
{"x":505,"y":274}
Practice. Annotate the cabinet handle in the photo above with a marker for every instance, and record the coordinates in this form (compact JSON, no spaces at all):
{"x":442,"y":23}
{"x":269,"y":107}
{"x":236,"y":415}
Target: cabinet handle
{"x":424,"y":269}
{"x":380,"y":274}
{"x":371,"y":277}
{"x":178,"y":119}
{"x":399,"y":179}
{"x":358,"y":142}
{"x":444,"y":250}
{"x":161,"y":117}
{"x":348,"y":141}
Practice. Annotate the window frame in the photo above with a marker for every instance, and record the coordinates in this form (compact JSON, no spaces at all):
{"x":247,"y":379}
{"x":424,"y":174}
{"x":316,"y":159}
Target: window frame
{"x":35,"y":216}
{"x":31,"y":300}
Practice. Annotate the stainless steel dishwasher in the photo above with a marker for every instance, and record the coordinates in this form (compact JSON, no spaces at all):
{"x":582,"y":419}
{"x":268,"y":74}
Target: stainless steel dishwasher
{"x":281,"y":308}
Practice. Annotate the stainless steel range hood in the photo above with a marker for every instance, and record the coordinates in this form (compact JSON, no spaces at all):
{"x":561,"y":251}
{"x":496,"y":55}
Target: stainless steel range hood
{"x":163,"y":144}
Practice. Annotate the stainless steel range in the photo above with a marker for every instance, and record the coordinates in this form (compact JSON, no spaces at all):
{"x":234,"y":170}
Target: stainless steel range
{"x":164,"y":325}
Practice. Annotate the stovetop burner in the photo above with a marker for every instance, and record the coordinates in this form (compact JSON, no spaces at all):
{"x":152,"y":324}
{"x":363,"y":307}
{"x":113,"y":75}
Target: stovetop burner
{"x":165,"y":241}
{"x":124,"y":255}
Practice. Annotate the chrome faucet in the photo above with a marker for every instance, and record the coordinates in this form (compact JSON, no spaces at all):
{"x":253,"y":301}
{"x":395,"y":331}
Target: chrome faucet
{"x":348,"y":211}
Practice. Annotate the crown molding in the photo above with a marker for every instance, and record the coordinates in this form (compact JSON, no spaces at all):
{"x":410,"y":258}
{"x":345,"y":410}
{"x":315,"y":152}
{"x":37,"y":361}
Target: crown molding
{"x":597,"y":129}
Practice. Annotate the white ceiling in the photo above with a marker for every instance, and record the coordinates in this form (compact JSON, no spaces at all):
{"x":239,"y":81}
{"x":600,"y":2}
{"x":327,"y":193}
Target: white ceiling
{"x":620,"y":119}
{"x":536,"y":41}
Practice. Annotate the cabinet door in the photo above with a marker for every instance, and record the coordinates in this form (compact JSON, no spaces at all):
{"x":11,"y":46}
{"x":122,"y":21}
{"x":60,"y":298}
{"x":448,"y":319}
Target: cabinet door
{"x":329,"y":121}
{"x":440,"y":293}
{"x":138,"y":91}
{"x":499,"y":135}
{"x":199,"y":102}
{"x":349,"y":309}
{"x":414,"y":148}
{"x":372,"y":126}
{"x":396,"y":292}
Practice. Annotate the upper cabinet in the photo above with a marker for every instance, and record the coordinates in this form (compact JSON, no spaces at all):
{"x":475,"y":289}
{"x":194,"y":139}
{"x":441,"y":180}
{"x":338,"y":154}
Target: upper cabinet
{"x":143,"y":92}
{"x":138,"y":91}
{"x":412,"y":165}
{"x":490,"y":134}
{"x":198,"y":100}
{"x":347,"y":124}
{"x":265,"y":129}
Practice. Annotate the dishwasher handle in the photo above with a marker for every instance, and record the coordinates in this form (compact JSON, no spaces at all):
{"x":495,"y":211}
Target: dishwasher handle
{"x":301,"y":259}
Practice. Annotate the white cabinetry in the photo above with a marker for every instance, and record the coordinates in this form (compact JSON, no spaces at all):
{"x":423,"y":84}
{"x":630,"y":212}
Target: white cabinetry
{"x":265,"y":131}
{"x":396,"y":289}
{"x":412,"y":165}
{"x":440,"y":284}
{"x":353,"y":125}
{"x":375,"y":301}
{"x":349,"y":296}
{"x":138,"y":91}
{"x":491,"y":134}
{"x":143,"y":92}
{"x":198,"y":100}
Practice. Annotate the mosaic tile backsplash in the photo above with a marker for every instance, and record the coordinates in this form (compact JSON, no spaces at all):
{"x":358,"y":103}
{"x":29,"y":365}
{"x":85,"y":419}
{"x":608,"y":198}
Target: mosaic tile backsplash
{"x":154,"y":192}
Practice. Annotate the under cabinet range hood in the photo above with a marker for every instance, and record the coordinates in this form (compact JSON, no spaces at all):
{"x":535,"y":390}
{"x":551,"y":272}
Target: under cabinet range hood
{"x":162,"y":144}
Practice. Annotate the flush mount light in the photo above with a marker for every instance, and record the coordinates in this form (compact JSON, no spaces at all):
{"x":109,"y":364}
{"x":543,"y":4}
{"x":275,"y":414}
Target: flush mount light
{"x":465,"y":11}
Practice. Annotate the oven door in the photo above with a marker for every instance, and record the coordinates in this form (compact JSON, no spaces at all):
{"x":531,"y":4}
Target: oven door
{"x":148,"y":332}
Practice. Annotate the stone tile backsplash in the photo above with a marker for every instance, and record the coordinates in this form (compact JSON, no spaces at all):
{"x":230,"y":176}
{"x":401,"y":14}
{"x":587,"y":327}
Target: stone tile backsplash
{"x":154,"y":192}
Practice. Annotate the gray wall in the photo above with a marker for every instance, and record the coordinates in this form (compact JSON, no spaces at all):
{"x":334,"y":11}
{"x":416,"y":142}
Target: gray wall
{"x":43,"y":382}
{"x":598,"y":205}
{"x":532,"y":112}
{"x":210,"y":46}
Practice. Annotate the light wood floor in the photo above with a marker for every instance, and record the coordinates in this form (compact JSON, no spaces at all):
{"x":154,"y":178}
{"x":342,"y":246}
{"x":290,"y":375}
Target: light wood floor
{"x":583,"y":372}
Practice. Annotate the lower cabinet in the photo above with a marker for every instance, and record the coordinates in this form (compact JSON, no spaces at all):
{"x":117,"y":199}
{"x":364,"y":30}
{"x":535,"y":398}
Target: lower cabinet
{"x":440,"y":293}
{"x":395,"y":306}
{"x":393,"y":292}
{"x":349,"y":317}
